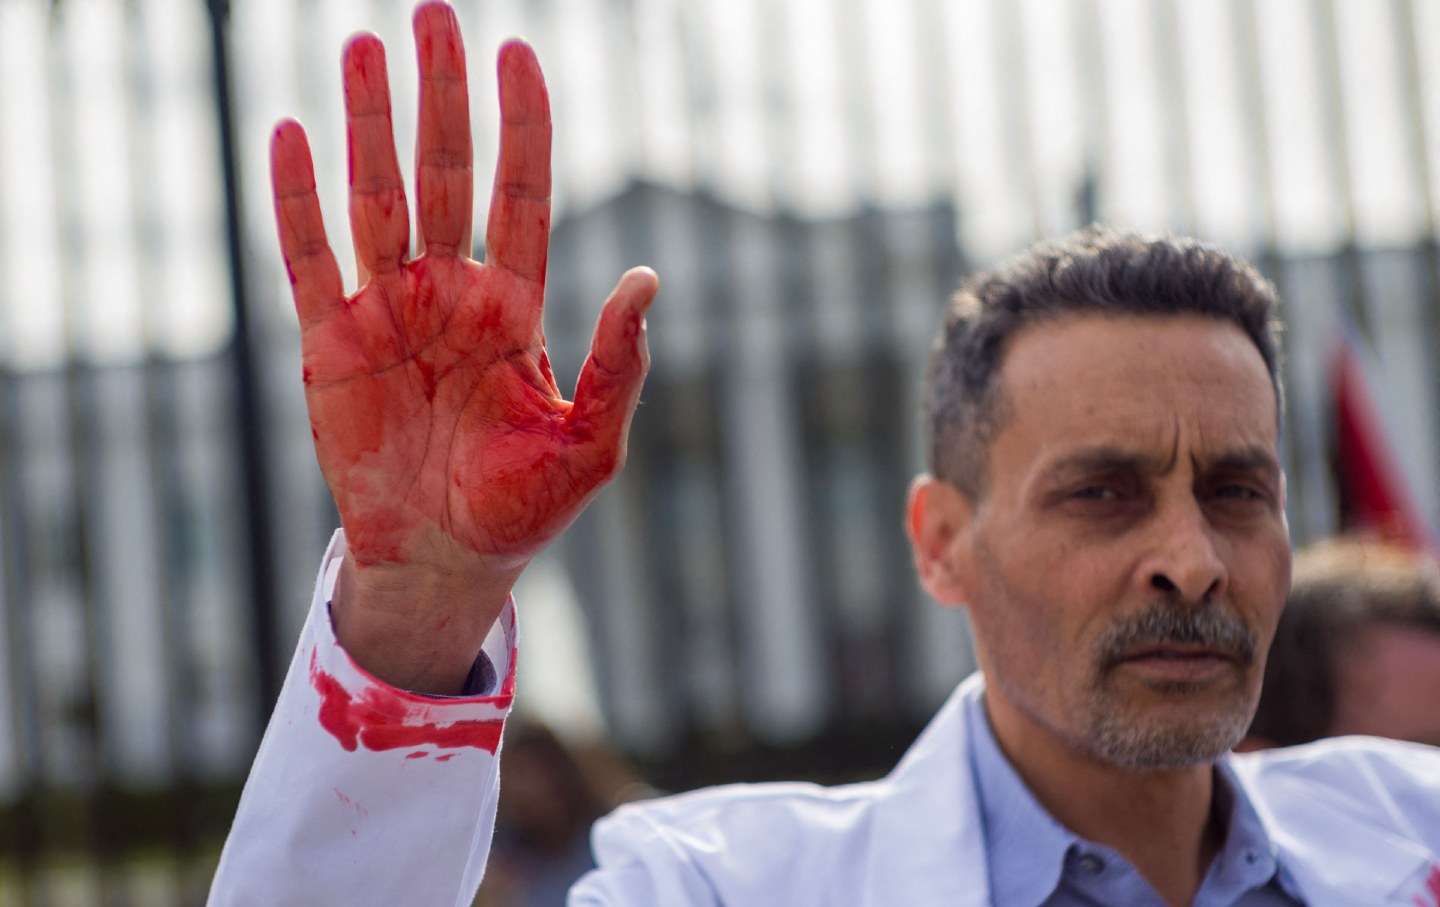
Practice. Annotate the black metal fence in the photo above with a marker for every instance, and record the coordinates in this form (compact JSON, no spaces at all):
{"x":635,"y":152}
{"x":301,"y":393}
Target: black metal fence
{"x":809,"y":180}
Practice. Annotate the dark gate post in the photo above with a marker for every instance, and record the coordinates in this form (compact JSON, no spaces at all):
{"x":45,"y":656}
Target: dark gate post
{"x":249,"y":415}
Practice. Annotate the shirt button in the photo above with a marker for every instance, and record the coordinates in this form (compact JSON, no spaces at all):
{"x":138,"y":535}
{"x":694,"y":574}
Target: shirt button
{"x":1090,"y":864}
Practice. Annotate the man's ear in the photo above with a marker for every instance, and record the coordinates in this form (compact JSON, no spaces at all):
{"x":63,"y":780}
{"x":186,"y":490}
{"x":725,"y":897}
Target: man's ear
{"x":938,"y":520}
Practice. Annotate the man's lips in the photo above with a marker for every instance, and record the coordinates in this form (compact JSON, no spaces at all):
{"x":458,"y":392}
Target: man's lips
{"x":1179,"y":652}
{"x":1180,"y":663}
{"x":1177,"y":640}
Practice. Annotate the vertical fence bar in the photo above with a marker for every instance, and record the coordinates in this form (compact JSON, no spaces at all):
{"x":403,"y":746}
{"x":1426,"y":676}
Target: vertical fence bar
{"x":809,"y":371}
{"x":690,"y":395}
{"x":932,"y":248}
{"x":645,"y":641}
{"x":1096,"y":117}
{"x":674,"y":405}
{"x":1176,"y":122}
{"x":934,"y":630}
{"x":801,"y":377}
{"x":1408,"y":39}
{"x":1301,"y":470}
{"x":161,"y":442}
{"x":1252,"y":103}
{"x":712,"y":232}
{"x":27,"y":830}
{"x":250,"y":417}
{"x":1352,"y":283}
{"x":1016,"y":133}
{"x":874,"y":404}
{"x":22,"y":839}
{"x":84,"y":477}
{"x":167,"y":502}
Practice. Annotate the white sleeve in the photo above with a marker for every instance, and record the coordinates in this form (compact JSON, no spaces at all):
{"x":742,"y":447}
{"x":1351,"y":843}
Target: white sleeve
{"x":640,"y":864}
{"x":362,"y":793}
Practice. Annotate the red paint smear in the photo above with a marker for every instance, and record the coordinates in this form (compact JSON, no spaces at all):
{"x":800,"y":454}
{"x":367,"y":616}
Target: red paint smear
{"x":507,"y":686}
{"x":446,"y":758}
{"x":1432,"y":886}
{"x":420,"y":755}
{"x":376,"y":720}
{"x":427,"y":376}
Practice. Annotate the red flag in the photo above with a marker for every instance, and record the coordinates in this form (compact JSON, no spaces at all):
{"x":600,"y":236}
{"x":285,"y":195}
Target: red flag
{"x":1375,"y":498}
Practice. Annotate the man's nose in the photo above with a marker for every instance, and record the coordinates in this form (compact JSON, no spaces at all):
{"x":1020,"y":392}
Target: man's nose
{"x":1185,"y":560}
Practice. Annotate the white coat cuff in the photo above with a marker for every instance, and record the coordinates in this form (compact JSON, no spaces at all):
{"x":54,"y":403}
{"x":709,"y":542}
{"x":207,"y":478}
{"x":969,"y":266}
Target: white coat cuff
{"x":492,"y":674}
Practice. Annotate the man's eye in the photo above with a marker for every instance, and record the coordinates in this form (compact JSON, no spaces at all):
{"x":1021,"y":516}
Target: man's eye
{"x":1096,"y":493}
{"x":1239,"y":493}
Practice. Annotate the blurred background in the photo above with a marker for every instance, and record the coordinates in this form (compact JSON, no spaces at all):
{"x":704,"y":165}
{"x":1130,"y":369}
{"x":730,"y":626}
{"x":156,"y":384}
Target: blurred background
{"x":809,"y":177}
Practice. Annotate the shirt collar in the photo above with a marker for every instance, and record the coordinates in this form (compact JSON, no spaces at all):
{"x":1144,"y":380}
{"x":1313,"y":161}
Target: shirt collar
{"x":1026,"y":849}
{"x":1248,"y":858}
{"x":1024,"y":845}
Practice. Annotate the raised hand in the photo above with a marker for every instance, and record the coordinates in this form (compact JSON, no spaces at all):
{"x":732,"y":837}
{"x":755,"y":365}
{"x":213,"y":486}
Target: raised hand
{"x":451,"y":454}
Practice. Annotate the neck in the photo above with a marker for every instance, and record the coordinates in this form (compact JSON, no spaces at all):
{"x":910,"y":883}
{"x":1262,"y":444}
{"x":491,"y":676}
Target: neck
{"x":1163,"y":822}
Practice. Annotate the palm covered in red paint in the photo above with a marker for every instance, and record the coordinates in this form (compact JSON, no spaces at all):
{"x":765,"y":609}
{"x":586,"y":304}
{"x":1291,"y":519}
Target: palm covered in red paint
{"x":437,"y":422}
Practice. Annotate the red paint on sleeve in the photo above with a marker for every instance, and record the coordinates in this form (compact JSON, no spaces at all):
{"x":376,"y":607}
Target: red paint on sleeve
{"x":1432,"y":888}
{"x":335,"y":706}
{"x":381,"y":719}
{"x":484,"y":735}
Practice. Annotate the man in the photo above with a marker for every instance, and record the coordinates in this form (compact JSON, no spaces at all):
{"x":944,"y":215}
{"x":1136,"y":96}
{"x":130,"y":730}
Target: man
{"x":1357,"y":650}
{"x":1105,"y":496}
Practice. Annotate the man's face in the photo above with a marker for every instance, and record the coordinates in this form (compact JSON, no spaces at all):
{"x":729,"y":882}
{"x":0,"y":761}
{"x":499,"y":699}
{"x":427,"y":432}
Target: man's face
{"x":1129,"y":558}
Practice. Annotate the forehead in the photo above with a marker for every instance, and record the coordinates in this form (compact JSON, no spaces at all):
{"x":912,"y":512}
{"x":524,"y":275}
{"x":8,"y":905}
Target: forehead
{"x":1138,"y":381}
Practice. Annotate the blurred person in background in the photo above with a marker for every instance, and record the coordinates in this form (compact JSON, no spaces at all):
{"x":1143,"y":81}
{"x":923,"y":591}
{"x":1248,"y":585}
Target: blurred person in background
{"x":1357,"y":650}
{"x":550,"y":794}
{"x":1104,"y":496}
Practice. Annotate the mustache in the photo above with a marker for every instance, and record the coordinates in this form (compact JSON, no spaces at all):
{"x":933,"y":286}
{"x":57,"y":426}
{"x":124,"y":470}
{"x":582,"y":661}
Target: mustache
{"x":1174,"y":621}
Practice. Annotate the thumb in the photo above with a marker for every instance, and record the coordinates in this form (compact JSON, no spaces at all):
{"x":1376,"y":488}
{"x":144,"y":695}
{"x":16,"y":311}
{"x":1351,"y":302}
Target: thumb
{"x":610,"y":380}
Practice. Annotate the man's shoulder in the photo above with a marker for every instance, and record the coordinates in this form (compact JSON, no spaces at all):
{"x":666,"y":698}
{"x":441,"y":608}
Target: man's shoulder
{"x":1341,"y":758}
{"x":909,"y":837}
{"x":721,"y":812}
{"x":1357,"y":819}
{"x":929,"y":770}
{"x":777,"y":843}
{"x":1364,"y":776}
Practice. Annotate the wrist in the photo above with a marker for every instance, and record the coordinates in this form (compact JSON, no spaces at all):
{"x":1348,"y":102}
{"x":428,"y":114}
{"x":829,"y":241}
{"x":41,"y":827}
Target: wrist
{"x":419,"y":627}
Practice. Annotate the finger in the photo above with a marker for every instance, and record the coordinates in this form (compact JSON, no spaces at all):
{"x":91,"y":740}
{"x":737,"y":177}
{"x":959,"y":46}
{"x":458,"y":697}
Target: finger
{"x":610,"y":380}
{"x":517,"y":235}
{"x":444,"y":179}
{"x":379,"y":220}
{"x":314,"y":275}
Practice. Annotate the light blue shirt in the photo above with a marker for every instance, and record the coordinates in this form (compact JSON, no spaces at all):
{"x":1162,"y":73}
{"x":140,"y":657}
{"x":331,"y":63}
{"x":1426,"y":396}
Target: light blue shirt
{"x":1034,"y":861}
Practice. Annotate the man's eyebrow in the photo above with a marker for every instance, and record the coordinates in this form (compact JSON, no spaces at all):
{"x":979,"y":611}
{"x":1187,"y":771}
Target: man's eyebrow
{"x":1104,"y":459}
{"x":1111,"y":459}
{"x":1248,"y":459}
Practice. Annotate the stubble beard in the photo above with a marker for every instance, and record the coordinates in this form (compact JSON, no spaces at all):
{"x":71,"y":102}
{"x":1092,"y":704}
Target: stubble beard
{"x":1119,"y":731}
{"x":1130,"y":741}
